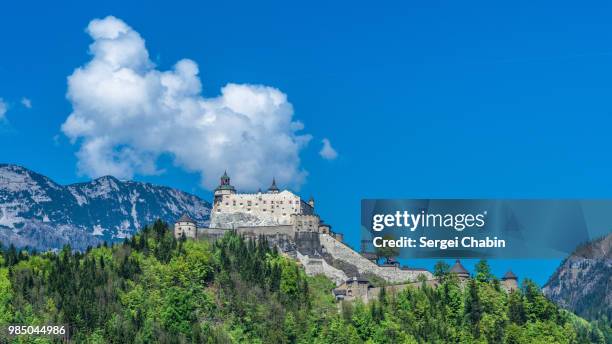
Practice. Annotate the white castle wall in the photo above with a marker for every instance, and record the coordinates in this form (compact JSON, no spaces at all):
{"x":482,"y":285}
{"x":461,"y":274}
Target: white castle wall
{"x":305,"y":223}
{"x":277,"y":207}
{"x":392,"y":274}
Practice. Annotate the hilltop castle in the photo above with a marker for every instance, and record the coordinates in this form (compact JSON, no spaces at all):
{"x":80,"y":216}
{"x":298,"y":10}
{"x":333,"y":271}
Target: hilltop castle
{"x":264,"y":210}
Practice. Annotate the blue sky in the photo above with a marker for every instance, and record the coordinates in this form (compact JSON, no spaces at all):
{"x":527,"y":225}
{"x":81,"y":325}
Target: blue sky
{"x":421,"y":100}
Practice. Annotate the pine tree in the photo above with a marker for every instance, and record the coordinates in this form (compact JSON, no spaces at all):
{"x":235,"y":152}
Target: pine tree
{"x":483,"y":271}
{"x":441,"y":269}
{"x":473,"y":307}
{"x":516,"y":309}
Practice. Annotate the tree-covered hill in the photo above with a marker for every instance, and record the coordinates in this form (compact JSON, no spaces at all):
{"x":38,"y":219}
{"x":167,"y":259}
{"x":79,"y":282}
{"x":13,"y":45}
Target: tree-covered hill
{"x":155,"y":289}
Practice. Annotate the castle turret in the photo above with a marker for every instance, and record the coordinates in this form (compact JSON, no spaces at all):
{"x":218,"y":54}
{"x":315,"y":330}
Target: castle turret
{"x":186,"y":227}
{"x":224,"y":188}
{"x":273,"y":188}
{"x":460,"y":271}
{"x":510,"y":281}
{"x":311,"y":202}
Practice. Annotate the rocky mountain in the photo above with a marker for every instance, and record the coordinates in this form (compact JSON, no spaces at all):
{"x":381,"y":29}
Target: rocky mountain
{"x":583,"y":282}
{"x":39,"y":213}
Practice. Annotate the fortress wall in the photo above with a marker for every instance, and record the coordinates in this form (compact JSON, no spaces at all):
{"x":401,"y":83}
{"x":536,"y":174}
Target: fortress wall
{"x":211,"y":233}
{"x":286,"y":230}
{"x":391,"y":274}
{"x":308,"y":243}
{"x":318,"y":266}
{"x":373,"y":293}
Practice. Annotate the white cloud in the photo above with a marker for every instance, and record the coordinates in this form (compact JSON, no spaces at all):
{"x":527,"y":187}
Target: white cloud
{"x":126,"y":113}
{"x":26,"y":102}
{"x":328,"y":152}
{"x":3,"y":108}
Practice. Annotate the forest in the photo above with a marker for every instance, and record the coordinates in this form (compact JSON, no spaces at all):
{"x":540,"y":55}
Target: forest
{"x":153,"y":288}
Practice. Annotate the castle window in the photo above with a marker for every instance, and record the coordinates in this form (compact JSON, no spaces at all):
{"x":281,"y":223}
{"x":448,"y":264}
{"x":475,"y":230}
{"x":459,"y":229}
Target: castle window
{"x":249,"y":203}
{"x":234,"y":203}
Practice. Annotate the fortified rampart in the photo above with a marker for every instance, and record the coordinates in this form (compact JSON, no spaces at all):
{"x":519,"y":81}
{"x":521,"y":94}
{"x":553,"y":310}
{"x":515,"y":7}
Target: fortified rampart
{"x":321,"y":253}
{"x":342,"y":255}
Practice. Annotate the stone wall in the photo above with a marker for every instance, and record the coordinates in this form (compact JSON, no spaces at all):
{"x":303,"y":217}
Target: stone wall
{"x":346,"y":255}
{"x":308,"y":243}
{"x":318,"y":266}
{"x":211,"y":233}
{"x":286,"y":230}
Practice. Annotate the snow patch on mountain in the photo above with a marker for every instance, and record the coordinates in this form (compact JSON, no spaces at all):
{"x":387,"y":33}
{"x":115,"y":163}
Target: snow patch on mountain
{"x":81,"y":199}
{"x":98,"y":230}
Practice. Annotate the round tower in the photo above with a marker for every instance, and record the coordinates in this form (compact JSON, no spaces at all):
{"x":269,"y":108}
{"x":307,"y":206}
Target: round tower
{"x":510,"y":281}
{"x":460,"y":271}
{"x":185,"y":226}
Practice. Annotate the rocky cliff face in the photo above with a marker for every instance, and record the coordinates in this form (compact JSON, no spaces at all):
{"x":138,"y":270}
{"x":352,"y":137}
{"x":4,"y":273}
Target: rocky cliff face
{"x":39,"y":213}
{"x":583,"y":282}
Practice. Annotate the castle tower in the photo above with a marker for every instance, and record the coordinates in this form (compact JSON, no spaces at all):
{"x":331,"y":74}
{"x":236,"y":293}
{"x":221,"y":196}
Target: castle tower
{"x":510,"y":281}
{"x":224,"y":188}
{"x":311,"y":202}
{"x":185,"y":226}
{"x":273,"y":188}
{"x":460,"y":271}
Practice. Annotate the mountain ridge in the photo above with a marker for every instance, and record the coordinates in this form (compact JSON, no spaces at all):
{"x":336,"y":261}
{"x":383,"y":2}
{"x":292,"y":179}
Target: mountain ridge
{"x":36,"y":211}
{"x":583,"y":281}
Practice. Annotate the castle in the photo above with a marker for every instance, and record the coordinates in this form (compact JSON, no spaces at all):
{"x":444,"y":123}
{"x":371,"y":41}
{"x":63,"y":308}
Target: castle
{"x":277,"y":205}
{"x":274,"y":209}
